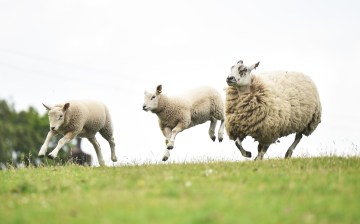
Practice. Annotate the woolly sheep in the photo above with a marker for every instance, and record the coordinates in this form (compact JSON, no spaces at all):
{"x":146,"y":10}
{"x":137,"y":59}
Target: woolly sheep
{"x":79,"y":119}
{"x":179,"y":113}
{"x":269,"y":106}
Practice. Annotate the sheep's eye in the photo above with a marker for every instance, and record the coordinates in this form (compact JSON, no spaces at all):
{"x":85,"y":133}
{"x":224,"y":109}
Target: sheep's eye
{"x":153,"y":97}
{"x":242,"y":72}
{"x":60,"y":117}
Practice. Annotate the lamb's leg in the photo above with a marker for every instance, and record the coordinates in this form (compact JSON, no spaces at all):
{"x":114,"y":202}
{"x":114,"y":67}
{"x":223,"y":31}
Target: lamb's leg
{"x":242,"y":150}
{"x":67,"y":138}
{"x":167,"y":133}
{"x":213,"y":122}
{"x":44,"y":147}
{"x":166,"y":155}
{"x":107,"y":134}
{"x":221,"y":131}
{"x":179,"y":127}
{"x":289,"y":152}
{"x":97,"y":150}
{"x":261,"y":151}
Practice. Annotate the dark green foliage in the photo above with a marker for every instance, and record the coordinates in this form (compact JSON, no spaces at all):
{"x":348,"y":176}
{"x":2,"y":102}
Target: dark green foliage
{"x":22,"y":134}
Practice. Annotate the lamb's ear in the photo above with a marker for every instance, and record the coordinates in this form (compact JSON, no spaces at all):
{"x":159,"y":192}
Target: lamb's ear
{"x":158,"y":89}
{"x":47,"y":106}
{"x":254,"y":66}
{"x":66,"y":106}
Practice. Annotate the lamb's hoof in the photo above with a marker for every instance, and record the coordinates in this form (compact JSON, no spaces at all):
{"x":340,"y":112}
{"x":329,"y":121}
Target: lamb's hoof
{"x":114,"y":159}
{"x":165,"y":158}
{"x":41,"y":156}
{"x":248,"y":154}
{"x":220,"y":139}
{"x":51,"y":156}
{"x":170,"y":147}
{"x":213,"y":138}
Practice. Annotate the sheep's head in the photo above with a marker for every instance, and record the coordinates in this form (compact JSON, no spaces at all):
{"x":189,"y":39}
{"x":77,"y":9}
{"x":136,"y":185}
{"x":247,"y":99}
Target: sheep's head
{"x":151,"y":100}
{"x":56,"y":115}
{"x":240,"y":74}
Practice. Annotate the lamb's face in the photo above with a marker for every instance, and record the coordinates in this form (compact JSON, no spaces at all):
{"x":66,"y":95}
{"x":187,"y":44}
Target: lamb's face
{"x":151,"y":100}
{"x":240,"y":75}
{"x":56,"y":116}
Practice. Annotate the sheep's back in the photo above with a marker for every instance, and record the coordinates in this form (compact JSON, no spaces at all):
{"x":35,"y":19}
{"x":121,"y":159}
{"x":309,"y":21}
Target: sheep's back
{"x":206,"y":102}
{"x":91,"y":115}
{"x":297,"y":94}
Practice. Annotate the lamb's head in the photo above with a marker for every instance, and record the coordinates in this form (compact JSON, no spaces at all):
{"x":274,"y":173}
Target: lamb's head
{"x":151,"y":100}
{"x":240,"y":74}
{"x":56,"y":115}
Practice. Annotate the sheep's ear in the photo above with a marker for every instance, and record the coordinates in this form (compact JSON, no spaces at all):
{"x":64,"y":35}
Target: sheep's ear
{"x":240,"y":62}
{"x":47,"y":106}
{"x":66,"y":106}
{"x":158,"y":89}
{"x":254,"y":66}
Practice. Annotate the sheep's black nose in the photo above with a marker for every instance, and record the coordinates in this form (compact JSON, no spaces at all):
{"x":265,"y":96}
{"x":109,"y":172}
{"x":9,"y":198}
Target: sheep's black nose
{"x":144,"y":107}
{"x":52,"y":128}
{"x":230,"y":79}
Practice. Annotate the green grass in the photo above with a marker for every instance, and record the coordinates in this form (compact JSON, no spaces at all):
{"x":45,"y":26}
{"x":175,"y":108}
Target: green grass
{"x":306,"y":190}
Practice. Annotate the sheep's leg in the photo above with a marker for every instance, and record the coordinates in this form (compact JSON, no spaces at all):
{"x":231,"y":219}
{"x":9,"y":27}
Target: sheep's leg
{"x":167,"y":133}
{"x":213,"y":122}
{"x":67,"y":138}
{"x":261,"y":151}
{"x":44,"y":147}
{"x":97,"y":148}
{"x":105,"y":133}
{"x":242,"y":150}
{"x":112,"y":147}
{"x":221,"y":131}
{"x":179,"y":128}
{"x":289,"y":152}
{"x":166,"y":155}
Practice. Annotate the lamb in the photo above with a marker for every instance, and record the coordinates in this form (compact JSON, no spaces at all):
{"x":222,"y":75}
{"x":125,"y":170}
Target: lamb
{"x":79,"y":119}
{"x":179,"y":113}
{"x":269,"y":106}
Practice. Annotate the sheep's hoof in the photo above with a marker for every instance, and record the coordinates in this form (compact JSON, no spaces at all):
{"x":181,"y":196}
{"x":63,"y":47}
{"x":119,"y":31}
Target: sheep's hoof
{"x":170,"y":147}
{"x":51,"y":156}
{"x":114,"y":159}
{"x":220,"y":139}
{"x":288,"y":154}
{"x":248,"y":154}
{"x":41,"y":156}
{"x":165,"y":158}
{"x":213,"y":138}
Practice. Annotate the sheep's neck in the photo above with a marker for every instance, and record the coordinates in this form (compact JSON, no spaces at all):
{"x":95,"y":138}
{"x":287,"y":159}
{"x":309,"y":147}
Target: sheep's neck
{"x":243,"y":89}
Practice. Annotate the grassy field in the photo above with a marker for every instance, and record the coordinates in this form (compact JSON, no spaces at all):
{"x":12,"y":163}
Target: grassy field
{"x":302,"y":190}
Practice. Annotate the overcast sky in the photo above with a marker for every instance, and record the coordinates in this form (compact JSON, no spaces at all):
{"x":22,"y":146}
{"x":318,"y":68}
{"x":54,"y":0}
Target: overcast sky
{"x":112,"y":51}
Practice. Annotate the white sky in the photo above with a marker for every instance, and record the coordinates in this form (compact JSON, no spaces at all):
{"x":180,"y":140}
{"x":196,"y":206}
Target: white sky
{"x":51,"y":51}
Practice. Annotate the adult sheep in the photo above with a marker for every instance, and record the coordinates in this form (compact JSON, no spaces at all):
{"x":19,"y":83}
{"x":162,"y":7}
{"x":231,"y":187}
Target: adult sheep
{"x":179,"y":113}
{"x":79,"y":119}
{"x":269,"y":106}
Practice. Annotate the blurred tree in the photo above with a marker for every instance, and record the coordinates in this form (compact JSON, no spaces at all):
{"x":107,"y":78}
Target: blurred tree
{"x":23,"y":133}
